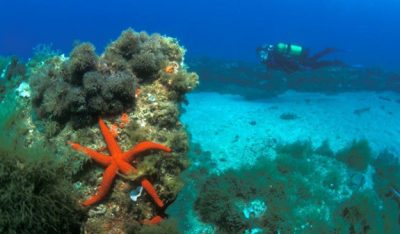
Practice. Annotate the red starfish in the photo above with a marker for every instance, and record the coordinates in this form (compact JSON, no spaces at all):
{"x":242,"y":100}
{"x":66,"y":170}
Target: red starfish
{"x":118,"y":161}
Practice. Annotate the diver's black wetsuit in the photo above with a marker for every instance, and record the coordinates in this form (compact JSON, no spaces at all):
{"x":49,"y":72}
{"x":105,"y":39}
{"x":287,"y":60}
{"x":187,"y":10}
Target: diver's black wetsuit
{"x":279,"y":60}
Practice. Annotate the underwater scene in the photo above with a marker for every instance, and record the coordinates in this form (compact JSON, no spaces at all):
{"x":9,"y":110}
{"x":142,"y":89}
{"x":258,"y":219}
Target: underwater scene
{"x":200,"y":117}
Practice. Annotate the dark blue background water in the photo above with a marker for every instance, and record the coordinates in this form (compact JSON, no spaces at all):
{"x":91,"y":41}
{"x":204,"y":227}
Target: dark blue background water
{"x":367,"y":31}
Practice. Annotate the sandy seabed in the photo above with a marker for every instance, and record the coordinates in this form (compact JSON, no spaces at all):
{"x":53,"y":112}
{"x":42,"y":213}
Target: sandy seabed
{"x":237,"y":131}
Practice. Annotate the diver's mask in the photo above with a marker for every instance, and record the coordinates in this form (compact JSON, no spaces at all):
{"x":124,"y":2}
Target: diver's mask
{"x":265,"y":52}
{"x":263,"y":55}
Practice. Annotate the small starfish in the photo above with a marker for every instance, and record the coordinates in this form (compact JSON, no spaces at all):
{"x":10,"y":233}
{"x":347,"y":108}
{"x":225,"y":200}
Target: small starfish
{"x":118,"y":161}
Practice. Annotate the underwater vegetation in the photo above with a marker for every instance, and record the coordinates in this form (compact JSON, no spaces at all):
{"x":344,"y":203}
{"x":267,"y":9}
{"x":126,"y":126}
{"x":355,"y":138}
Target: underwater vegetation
{"x":85,"y":85}
{"x":357,"y":156}
{"x":136,"y":86}
{"x":306,"y":190}
{"x":12,"y":73}
{"x":36,"y":192}
{"x":78,"y":92}
{"x":35,"y":197}
{"x":12,"y":69}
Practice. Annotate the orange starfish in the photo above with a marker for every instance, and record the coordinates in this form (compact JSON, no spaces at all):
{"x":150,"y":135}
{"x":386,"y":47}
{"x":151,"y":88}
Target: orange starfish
{"x":118,"y":161}
{"x":155,"y":220}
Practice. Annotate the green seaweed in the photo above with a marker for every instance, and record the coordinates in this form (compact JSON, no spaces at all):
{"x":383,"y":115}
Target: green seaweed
{"x":168,"y":226}
{"x":83,"y":59}
{"x":36,"y":193}
{"x":360,"y":214}
{"x":387,"y":174}
{"x":357,"y":156}
{"x":35,"y":196}
{"x":297,"y":149}
{"x":304,"y":192}
{"x":325,"y":149}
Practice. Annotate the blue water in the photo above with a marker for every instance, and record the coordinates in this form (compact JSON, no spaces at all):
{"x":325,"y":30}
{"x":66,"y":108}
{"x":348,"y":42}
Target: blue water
{"x":258,"y":159}
{"x":366,"y":32}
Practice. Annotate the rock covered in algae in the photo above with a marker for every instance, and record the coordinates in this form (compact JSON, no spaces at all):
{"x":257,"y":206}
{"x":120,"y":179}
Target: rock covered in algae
{"x":137,"y":86}
{"x":86,"y":85}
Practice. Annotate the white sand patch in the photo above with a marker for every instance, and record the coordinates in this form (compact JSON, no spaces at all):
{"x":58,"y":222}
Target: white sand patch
{"x":237,"y":131}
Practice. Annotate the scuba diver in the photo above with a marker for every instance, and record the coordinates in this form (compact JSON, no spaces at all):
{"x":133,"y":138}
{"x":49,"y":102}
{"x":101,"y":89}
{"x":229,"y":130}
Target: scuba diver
{"x":291,"y":58}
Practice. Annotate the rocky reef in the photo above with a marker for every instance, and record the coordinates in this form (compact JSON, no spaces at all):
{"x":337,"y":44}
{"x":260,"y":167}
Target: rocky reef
{"x":84,"y":86}
{"x":304,"y":189}
{"x":254,"y":81}
{"x":137,"y":85}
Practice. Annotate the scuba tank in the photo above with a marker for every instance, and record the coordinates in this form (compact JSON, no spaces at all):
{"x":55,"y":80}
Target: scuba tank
{"x":289,"y":49}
